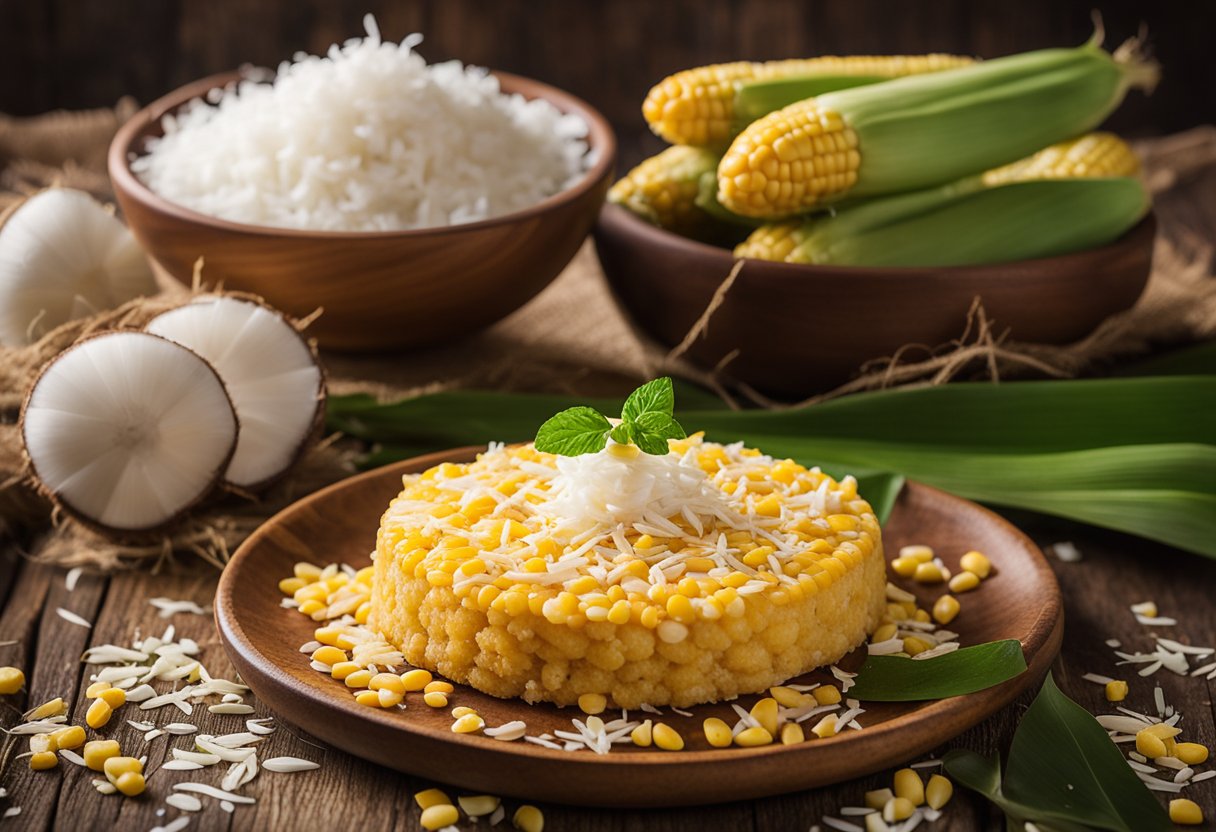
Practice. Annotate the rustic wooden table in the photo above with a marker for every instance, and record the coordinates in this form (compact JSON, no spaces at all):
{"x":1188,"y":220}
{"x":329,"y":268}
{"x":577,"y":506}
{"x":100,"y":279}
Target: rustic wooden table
{"x":348,"y":793}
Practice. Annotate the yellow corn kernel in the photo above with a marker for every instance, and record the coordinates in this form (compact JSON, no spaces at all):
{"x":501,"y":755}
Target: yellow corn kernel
{"x":650,"y":618}
{"x":99,"y":713}
{"x":1116,"y":690}
{"x":1163,"y":731}
{"x":438,"y":686}
{"x":897,"y":809}
{"x":329,"y":655}
{"x":917,"y":553}
{"x":436,"y":699}
{"x":70,"y":737}
{"x":311,"y":607}
{"x":619,"y":612}
{"x":826,"y":694}
{"x":1185,"y":812}
{"x":765,"y":712}
{"x":439,"y":816}
{"x":131,"y":784}
{"x":363,"y":612}
{"x":54,"y":707}
{"x":592,"y":703}
{"x":12,"y":679}
{"x":311,"y":592}
{"x":909,"y":786}
{"x":717,"y":732}
{"x":904,"y":567}
{"x":387,"y":681}
{"x":791,"y":733}
{"x":938,"y":792}
{"x":928,"y":573}
{"x":307,"y":571}
{"x":878,"y":798}
{"x":115,"y":767}
{"x":468,"y":724}
{"x":945,"y":609}
{"x":667,"y":738}
{"x":788,"y":697}
{"x":770,"y":506}
{"x":680,"y":609}
{"x":528,"y":818}
{"x":884,"y":633}
{"x":114,"y":697}
{"x":964,"y":582}
{"x":289,"y":586}
{"x":642,"y":736}
{"x":370,"y":698}
{"x":358,"y":679}
{"x":1191,"y":753}
{"x":96,"y":753}
{"x":389,"y":698}
{"x":43,"y":760}
{"x":416,"y":679}
{"x":334,"y":636}
{"x":915,"y":645}
{"x":825,"y":727}
{"x":976,"y":563}
{"x":1150,"y":745}
{"x":42,"y":742}
{"x":479,"y":805}
{"x":94,"y":690}
{"x":752,"y":737}
{"x":343,"y":669}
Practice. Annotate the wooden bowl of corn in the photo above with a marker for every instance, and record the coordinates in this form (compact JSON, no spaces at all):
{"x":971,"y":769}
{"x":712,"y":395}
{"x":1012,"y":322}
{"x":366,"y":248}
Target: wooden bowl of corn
{"x":377,"y":289}
{"x":795,"y":329}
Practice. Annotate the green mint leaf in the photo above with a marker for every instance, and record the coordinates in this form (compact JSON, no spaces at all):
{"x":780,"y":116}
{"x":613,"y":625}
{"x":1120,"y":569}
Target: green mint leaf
{"x":652,"y":430}
{"x":579,"y":430}
{"x":653,"y":396}
{"x":621,"y":434}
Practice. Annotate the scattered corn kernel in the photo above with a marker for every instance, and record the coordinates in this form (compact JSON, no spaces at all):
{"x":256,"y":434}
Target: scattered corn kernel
{"x":928,"y":573}
{"x":904,"y":567}
{"x":478,"y":805}
{"x":717,"y":732}
{"x":387,"y":681}
{"x":462,"y":710}
{"x":131,"y":783}
{"x":909,"y":786}
{"x":938,"y":792}
{"x":827,"y":695}
{"x":99,"y":713}
{"x":667,"y":738}
{"x":42,"y":742}
{"x":1150,"y":745}
{"x":791,"y":733}
{"x":897,"y":809}
{"x":97,"y":752}
{"x":42,"y":760}
{"x":964,"y":582}
{"x":388,"y":698}
{"x":468,"y":724}
{"x":343,"y":669}
{"x":915,"y":645}
{"x":976,"y":563}
{"x":592,"y":703}
{"x":12,"y":679}
{"x":438,"y":686}
{"x":788,"y":697}
{"x":1185,"y":812}
{"x":642,"y":735}
{"x":885,"y":633}
{"x":825,"y":727}
{"x":436,"y":699}
{"x":359,"y":679}
{"x":416,"y":679}
{"x":878,"y":798}
{"x":528,"y":819}
{"x":432,"y":797}
{"x":765,"y":712}
{"x":439,"y":816}
{"x":945,"y":609}
{"x":330,"y":655}
{"x":115,"y":767}
{"x":1191,"y":753}
{"x":114,"y":697}
{"x":55,"y":707}
{"x":1116,"y":691}
{"x":94,"y":690}
{"x":754,"y":736}
{"x":69,"y":737}
{"x":370,"y":698}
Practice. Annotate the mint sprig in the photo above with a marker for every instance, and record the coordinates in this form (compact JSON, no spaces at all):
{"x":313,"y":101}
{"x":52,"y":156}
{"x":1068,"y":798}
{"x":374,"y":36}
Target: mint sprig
{"x":647,"y":421}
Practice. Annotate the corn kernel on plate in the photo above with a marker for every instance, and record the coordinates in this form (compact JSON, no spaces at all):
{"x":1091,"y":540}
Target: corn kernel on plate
{"x":421,"y":722}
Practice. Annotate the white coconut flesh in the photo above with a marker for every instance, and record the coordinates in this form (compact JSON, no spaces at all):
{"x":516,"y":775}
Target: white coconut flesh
{"x":64,"y":256}
{"x":128,"y":430}
{"x":268,"y":370}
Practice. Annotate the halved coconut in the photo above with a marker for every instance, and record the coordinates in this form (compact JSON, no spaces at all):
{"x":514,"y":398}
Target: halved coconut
{"x":64,"y":256}
{"x":268,"y":368}
{"x":126,"y":430}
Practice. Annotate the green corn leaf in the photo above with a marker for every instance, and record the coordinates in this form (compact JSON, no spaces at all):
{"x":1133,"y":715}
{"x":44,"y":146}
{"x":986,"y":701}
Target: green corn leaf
{"x":759,"y":98}
{"x":1198,"y":360}
{"x":1064,"y":773}
{"x":966,"y":670}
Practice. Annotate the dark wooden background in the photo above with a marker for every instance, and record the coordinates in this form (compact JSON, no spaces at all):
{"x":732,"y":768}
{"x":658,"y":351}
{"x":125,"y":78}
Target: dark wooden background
{"x":81,"y":53}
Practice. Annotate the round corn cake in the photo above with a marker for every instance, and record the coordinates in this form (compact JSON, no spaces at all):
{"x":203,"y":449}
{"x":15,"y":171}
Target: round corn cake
{"x":701,"y":575}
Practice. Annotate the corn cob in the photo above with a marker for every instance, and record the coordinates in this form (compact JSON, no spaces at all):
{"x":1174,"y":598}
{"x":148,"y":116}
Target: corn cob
{"x":663,"y":189}
{"x":699,"y":106}
{"x":922,"y":130}
{"x":1067,"y":197}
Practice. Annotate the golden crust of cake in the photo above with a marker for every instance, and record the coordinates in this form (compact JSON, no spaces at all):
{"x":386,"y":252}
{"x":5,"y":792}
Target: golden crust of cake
{"x":730,"y":572}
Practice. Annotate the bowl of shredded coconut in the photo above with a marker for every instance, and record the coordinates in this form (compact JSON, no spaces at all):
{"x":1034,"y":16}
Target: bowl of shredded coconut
{"x":413,"y":202}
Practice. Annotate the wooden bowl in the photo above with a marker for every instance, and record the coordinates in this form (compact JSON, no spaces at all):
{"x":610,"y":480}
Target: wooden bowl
{"x":379,"y":290}
{"x":805,"y":329}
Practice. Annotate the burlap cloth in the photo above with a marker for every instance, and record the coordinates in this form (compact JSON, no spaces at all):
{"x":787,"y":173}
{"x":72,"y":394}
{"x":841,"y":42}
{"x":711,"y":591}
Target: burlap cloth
{"x":573,"y":338}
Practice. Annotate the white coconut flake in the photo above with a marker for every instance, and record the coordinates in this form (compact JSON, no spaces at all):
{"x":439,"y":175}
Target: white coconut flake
{"x":212,"y":791}
{"x":175,"y":825}
{"x":72,"y":576}
{"x":1065,"y":552}
{"x":1097,"y":678}
{"x":182,"y":765}
{"x":169,"y":607}
{"x":73,"y":618}
{"x":71,"y":756}
{"x":508,"y":731}
{"x":184,"y":802}
{"x":289,"y":764}
{"x":230,"y":708}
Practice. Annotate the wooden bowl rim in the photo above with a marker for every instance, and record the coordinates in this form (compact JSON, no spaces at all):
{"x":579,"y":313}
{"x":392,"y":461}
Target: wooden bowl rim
{"x":651,"y":235}
{"x":600,"y":137}
{"x":1042,"y":643}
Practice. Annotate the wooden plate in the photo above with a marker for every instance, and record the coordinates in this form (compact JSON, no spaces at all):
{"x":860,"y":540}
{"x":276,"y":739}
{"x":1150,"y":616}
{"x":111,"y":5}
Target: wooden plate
{"x":1021,"y":600}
